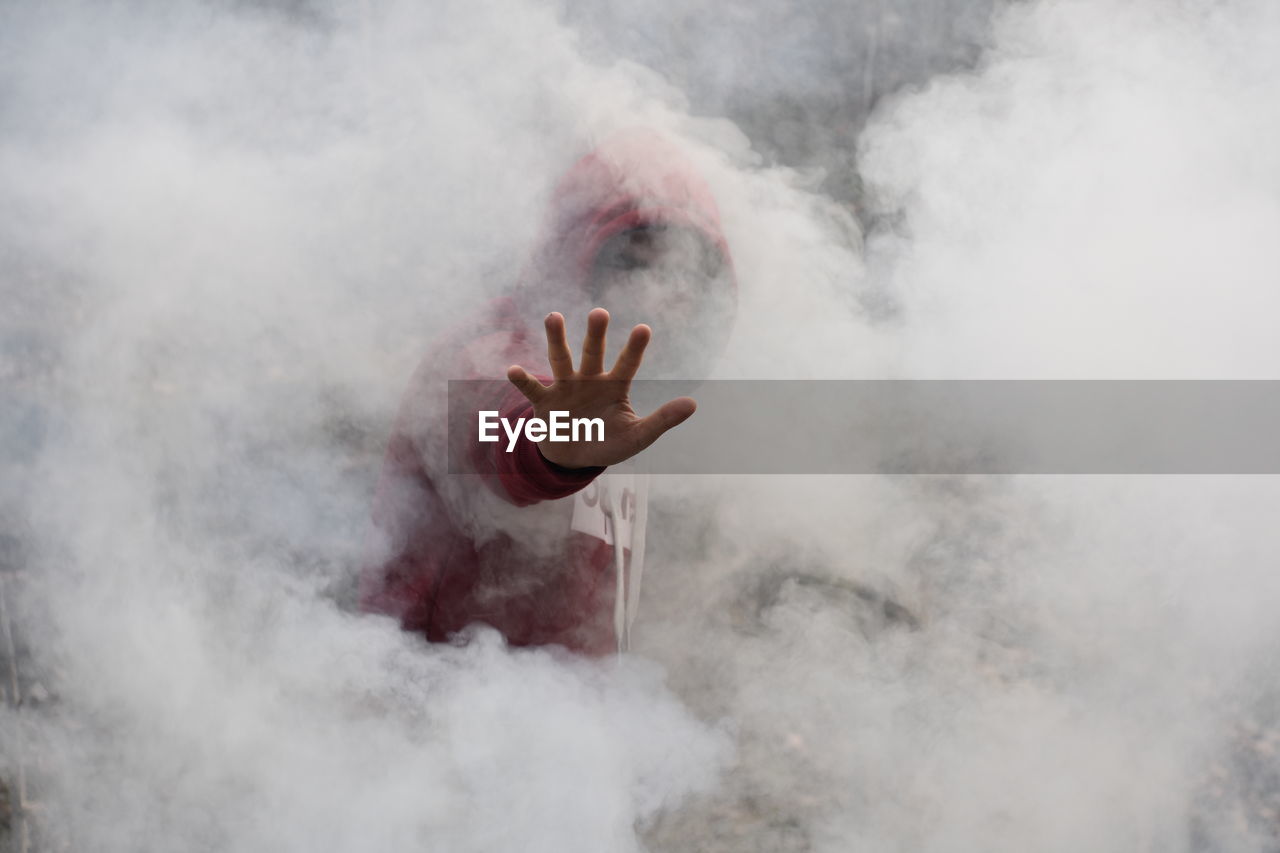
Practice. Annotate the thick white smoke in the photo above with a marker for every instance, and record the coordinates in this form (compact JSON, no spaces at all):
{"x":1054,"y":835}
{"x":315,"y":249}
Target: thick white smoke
{"x":229,"y":234}
{"x":1095,"y":202}
{"x":241,"y":228}
{"x":1093,"y":669}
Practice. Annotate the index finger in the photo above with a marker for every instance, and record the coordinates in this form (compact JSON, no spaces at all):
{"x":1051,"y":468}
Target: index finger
{"x":632,"y":354}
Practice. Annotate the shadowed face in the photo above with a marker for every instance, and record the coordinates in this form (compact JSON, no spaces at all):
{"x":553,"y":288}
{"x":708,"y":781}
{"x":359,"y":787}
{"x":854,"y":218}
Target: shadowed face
{"x":672,"y":279}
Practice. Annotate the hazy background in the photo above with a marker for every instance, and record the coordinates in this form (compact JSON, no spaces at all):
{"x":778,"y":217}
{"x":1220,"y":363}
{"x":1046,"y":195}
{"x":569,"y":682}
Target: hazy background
{"x":229,"y":230}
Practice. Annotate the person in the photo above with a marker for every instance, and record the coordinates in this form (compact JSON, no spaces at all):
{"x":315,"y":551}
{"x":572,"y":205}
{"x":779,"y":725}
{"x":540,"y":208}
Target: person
{"x":545,"y":543}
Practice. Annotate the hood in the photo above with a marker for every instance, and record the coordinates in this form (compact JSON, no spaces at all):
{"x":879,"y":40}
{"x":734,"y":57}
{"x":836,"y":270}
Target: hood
{"x":634,"y":178}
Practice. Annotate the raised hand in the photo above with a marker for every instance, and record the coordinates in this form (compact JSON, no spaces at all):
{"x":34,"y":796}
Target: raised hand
{"x":590,"y":392}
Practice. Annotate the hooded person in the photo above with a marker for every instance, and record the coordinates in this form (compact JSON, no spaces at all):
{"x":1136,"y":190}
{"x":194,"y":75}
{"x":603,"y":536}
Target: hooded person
{"x":547,"y":548}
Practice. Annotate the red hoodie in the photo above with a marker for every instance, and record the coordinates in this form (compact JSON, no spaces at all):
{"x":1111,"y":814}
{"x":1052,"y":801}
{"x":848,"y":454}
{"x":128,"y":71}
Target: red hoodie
{"x":508,"y":548}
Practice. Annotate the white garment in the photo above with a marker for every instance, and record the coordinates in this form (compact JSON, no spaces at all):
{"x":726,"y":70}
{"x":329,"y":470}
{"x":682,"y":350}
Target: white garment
{"x":614,"y":508}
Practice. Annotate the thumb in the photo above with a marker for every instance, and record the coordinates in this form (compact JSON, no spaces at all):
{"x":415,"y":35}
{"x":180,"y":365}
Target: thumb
{"x":668,"y":415}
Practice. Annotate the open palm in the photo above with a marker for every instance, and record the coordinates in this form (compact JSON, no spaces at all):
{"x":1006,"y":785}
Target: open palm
{"x":590,"y":392}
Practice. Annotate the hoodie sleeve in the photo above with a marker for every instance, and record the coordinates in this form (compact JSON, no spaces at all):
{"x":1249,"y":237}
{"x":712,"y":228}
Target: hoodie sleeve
{"x":523,"y":476}
{"x":447,"y":442}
